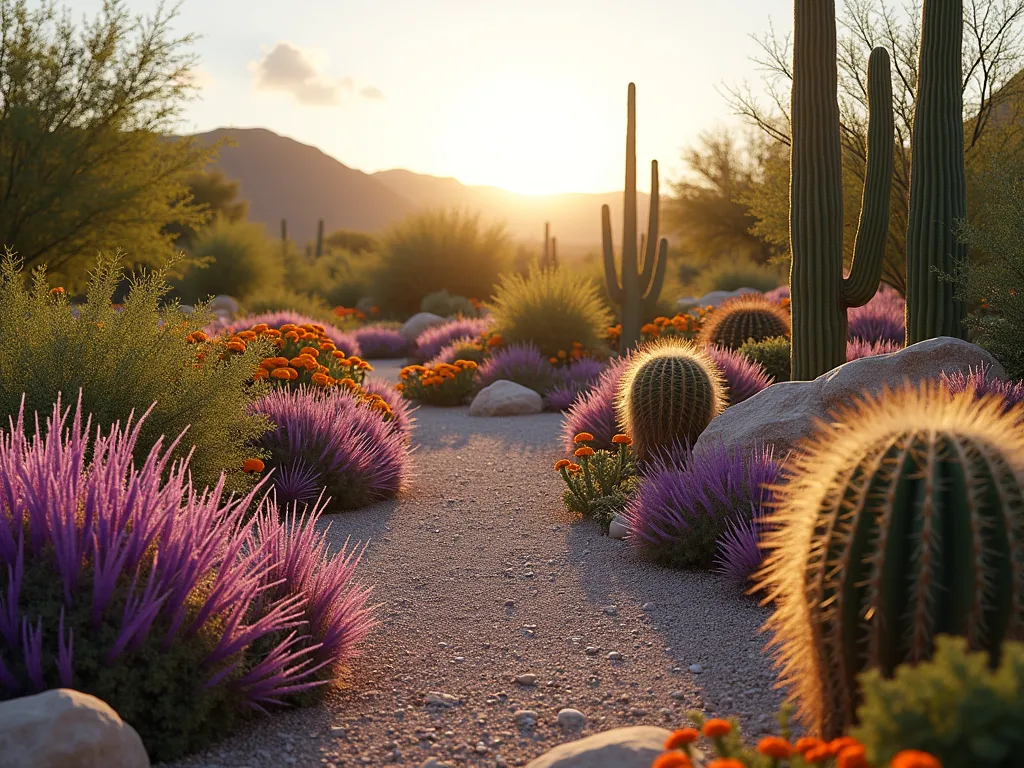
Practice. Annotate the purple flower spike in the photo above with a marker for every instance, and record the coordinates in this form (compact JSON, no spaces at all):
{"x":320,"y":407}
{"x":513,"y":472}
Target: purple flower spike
{"x":739,"y":555}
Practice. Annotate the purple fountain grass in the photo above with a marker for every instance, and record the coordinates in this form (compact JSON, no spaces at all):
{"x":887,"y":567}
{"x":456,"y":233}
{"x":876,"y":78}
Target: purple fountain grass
{"x":743,"y":377}
{"x":681,"y":510}
{"x":106,"y":587}
{"x":377,"y":343}
{"x":981,"y":382}
{"x":449,"y":353}
{"x":594,"y":410}
{"x":358,"y":457}
{"x":344,"y":340}
{"x":881,"y":319}
{"x":572,"y":380}
{"x":858,"y":348}
{"x":521,"y":363}
{"x":739,"y":555}
{"x":434,"y":339}
{"x":402,"y":410}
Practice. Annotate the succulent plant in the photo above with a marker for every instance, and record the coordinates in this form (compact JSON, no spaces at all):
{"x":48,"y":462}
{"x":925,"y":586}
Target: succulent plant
{"x":820,"y":293}
{"x":743,"y":318}
{"x":668,"y":394}
{"x":637,"y":292}
{"x":773,"y":355}
{"x":902,"y":518}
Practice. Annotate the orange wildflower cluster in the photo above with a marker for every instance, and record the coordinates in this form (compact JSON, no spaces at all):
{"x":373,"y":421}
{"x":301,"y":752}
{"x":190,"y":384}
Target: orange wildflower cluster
{"x":684,"y":324}
{"x":844,"y":752}
{"x":442,"y":384}
{"x":562,"y":357}
{"x":58,"y":291}
{"x":352,"y":312}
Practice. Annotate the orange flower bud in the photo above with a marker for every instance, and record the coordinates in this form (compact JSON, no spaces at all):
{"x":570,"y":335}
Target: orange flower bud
{"x":585,"y":450}
{"x":716,"y":728}
{"x":672,"y":760}
{"x":252,"y":465}
{"x":621,"y":439}
{"x":681,"y":737}
{"x":914,"y":758}
{"x":852,"y":756}
{"x":775,"y":747}
{"x":561,"y":463}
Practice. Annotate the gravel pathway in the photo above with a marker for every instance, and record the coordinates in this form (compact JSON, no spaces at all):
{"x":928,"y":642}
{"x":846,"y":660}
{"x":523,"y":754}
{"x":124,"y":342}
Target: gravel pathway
{"x":496,"y":615}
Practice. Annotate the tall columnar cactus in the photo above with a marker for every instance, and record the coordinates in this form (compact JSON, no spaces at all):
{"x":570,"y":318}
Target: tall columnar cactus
{"x":938,"y":188}
{"x":284,"y":237}
{"x":637,"y":292}
{"x":744,"y":318}
{"x":550,"y":258}
{"x":820,"y":294}
{"x":669,"y":392}
{"x":319,"y":239}
{"x":900,"y":520}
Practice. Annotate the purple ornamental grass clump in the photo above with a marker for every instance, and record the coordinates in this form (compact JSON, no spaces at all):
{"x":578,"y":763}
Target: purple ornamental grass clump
{"x":344,"y":340}
{"x":594,"y":410}
{"x":858,"y":348}
{"x":325,"y":433}
{"x":739,"y":553}
{"x":572,"y":380}
{"x":743,"y":377}
{"x":980,"y":382}
{"x":881,"y":319}
{"x":121,"y":580}
{"x":434,"y":339}
{"x":682,"y":509}
{"x":377,"y":343}
{"x":521,"y":363}
{"x":401,"y":409}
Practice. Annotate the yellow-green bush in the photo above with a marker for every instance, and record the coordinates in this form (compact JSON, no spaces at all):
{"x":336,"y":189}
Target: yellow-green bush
{"x":234,"y":258}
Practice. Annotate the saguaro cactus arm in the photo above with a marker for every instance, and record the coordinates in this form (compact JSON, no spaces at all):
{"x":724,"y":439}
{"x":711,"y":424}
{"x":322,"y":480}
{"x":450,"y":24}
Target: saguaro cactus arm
{"x":652,"y":233}
{"x":610,"y":275}
{"x":873,"y":229}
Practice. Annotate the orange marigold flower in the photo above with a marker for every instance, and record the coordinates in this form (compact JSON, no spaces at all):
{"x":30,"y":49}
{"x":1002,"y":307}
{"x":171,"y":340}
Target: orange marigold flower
{"x":559,"y":465}
{"x":621,"y":439}
{"x":817,"y":755}
{"x":726,"y":762}
{"x":56,"y":291}
{"x":272,"y":332}
{"x":468,"y":365}
{"x":311,"y":351}
{"x":715,"y":728}
{"x":320,"y":379}
{"x":252,"y":465}
{"x":553,"y":360}
{"x":661,"y":321}
{"x":914,"y":758}
{"x":494,"y":341}
{"x":347,"y":383}
{"x":583,"y":437}
{"x":235,"y":346}
{"x":681,"y":737}
{"x":841,"y":742}
{"x":672,"y":760}
{"x":261,"y":327}
{"x":197,"y":337}
{"x":852,"y":756}
{"x":650,"y":328}
{"x":260,"y":373}
{"x":577,"y":345}
{"x":561,"y":354}
{"x":806,"y":743}
{"x":574,"y":468}
{"x":775,"y":747}
{"x":585,"y":450}
{"x":282,"y":373}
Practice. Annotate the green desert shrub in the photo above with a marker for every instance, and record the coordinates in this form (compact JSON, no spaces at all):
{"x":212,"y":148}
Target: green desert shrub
{"x":993,"y":280}
{"x":446,"y":305}
{"x":438,"y":250}
{"x":235,"y":258}
{"x":125,"y":360}
{"x":955,"y":707}
{"x":282,"y":299}
{"x":773,"y":354}
{"x":552,"y":308}
{"x":733,"y":277}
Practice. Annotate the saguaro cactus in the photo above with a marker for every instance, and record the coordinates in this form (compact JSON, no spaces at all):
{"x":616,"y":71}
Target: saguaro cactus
{"x":319,"y":238}
{"x":938,"y":189}
{"x":550,"y":258}
{"x":638,"y":290}
{"x":820,"y":294}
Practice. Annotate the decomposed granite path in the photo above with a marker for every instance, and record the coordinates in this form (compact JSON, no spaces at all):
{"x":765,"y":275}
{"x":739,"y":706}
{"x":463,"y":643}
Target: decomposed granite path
{"x":495,"y":615}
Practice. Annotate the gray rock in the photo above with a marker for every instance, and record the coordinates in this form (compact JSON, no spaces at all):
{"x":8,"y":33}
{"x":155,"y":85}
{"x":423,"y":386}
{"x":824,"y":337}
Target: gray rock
{"x":224,"y":303}
{"x":634,"y":747}
{"x":525,"y":718}
{"x":617,"y":529}
{"x":784,"y":414}
{"x":418,"y":323}
{"x":527,"y":679}
{"x":62,"y":728}
{"x":506,"y":398}
{"x":437,"y":699}
{"x":571,"y":719}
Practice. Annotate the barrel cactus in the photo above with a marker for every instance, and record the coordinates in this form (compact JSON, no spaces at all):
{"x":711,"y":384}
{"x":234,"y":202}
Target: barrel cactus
{"x":902,"y":519}
{"x":668,"y":394}
{"x":743,"y":318}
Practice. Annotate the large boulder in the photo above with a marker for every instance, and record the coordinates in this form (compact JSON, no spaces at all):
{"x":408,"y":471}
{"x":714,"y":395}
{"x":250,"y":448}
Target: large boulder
{"x":227,"y":304}
{"x":634,"y":747}
{"x":61,"y":728}
{"x":418,"y":323}
{"x":506,"y":398}
{"x":784,"y":413}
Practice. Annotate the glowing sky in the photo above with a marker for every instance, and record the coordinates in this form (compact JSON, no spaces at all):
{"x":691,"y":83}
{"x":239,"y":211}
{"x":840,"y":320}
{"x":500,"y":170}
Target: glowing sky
{"x":529,"y":95}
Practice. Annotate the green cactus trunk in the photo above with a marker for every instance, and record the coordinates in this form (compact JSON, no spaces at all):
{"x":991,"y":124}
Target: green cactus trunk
{"x":938,"y":189}
{"x":284,"y":237}
{"x":819,"y":293}
{"x":550,"y":258}
{"x":319,"y":239}
{"x":637,"y":292}
{"x":925,"y":541}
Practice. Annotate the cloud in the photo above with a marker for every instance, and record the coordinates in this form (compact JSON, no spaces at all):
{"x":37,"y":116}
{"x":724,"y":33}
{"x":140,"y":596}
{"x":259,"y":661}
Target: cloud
{"x":200,"y":79}
{"x":291,"y":70}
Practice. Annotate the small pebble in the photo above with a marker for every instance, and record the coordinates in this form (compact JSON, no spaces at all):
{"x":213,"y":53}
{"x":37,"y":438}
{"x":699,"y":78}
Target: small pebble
{"x":696,"y":669}
{"x":614,"y":656}
{"x":571,"y":719}
{"x":527,"y":679}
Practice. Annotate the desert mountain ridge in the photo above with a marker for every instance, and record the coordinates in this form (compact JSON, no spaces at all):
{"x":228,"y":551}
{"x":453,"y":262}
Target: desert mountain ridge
{"x":285,"y":179}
